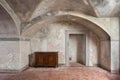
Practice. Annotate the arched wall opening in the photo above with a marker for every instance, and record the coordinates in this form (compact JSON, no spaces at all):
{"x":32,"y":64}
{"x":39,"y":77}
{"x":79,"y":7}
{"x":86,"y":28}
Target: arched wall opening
{"x":7,"y":26}
{"x":51,"y":31}
{"x":9,"y":42}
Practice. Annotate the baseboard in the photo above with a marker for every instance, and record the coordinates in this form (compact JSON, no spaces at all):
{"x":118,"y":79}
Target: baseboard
{"x":24,"y":68}
{"x":61,"y":64}
{"x":115,"y":71}
{"x":8,"y":70}
{"x":109,"y":70}
{"x":13,"y":70}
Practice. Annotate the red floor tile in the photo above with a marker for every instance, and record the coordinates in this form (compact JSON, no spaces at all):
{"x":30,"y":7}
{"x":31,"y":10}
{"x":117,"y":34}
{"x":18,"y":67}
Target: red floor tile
{"x":61,"y":73}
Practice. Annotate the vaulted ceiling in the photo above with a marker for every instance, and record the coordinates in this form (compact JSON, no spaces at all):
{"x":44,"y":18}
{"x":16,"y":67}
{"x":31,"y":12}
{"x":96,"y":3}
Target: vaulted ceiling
{"x":27,"y":10}
{"x":106,"y":8}
{"x":7,"y":25}
{"x":23,"y":8}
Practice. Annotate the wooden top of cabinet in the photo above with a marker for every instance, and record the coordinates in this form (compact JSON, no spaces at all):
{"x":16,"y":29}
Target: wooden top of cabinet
{"x":46,"y":52}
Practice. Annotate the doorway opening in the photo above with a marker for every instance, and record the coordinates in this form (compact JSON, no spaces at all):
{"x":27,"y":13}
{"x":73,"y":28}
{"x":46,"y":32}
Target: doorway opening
{"x":77,"y":45}
{"x":77,"y":48}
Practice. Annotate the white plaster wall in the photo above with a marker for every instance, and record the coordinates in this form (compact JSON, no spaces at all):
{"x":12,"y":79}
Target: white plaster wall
{"x":9,"y":55}
{"x":38,"y":44}
{"x":115,"y":45}
{"x":115,"y":56}
{"x":114,"y":28}
{"x":14,"y":55}
{"x":94,"y":49}
{"x":24,"y":53}
{"x":53,"y":39}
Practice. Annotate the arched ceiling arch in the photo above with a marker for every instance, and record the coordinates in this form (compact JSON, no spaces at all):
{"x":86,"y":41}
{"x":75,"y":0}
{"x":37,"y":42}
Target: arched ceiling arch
{"x":11,"y":12}
{"x":81,"y":21}
{"x":82,"y":6}
{"x":23,"y":8}
{"x":7,"y":26}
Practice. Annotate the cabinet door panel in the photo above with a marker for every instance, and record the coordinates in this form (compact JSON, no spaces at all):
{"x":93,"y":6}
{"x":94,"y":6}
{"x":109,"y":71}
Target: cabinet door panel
{"x":48,"y":59}
{"x":51,"y":60}
{"x":39,"y":60}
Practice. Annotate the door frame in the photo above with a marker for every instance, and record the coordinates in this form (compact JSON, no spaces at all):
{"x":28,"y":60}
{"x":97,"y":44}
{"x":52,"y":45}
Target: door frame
{"x":67,"y":39}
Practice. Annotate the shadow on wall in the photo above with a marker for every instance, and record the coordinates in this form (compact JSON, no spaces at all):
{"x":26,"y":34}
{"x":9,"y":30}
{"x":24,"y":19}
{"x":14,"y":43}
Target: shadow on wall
{"x":113,"y":76}
{"x":81,"y":50}
{"x":31,"y":59}
{"x":105,"y":57}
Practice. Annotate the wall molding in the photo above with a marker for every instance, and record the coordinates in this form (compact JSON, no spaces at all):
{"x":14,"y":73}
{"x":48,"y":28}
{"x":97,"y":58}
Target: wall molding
{"x":14,"y":39}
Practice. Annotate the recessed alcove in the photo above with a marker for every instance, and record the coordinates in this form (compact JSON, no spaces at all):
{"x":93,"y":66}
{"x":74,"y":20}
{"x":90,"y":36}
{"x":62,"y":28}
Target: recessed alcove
{"x":54,"y":36}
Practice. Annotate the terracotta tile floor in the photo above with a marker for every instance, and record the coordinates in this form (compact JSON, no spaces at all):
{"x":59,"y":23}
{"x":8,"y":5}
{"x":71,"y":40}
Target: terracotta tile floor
{"x":75,"y":64}
{"x":61,"y":73}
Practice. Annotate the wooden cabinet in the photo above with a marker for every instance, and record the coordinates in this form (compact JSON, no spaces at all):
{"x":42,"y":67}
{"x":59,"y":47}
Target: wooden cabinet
{"x":45,"y":59}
